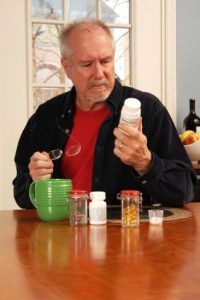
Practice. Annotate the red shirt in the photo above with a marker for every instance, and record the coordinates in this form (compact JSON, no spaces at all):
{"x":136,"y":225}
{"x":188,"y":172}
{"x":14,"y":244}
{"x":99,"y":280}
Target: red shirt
{"x":86,"y":127}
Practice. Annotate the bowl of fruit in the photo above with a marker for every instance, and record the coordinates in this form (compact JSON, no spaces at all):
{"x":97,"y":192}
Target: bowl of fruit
{"x":191,"y":142}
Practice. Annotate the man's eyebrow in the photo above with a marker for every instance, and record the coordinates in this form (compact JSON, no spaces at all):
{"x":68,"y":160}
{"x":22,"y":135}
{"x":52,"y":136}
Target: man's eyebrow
{"x":85,"y":60}
{"x":107,"y":57}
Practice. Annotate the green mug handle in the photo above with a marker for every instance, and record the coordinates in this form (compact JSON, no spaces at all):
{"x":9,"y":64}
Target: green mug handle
{"x":32,"y":193}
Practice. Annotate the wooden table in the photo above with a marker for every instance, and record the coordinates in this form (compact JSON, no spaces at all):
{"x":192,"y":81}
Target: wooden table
{"x":55,"y":261}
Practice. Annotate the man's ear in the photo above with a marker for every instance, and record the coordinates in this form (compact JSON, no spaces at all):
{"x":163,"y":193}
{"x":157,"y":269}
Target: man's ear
{"x":65,"y":65}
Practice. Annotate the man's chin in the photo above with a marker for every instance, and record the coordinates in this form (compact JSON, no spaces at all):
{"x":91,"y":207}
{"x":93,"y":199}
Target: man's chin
{"x":98,"y":98}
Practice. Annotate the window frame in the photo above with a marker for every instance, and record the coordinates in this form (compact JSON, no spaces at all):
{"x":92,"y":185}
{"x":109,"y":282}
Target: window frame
{"x":31,"y":21}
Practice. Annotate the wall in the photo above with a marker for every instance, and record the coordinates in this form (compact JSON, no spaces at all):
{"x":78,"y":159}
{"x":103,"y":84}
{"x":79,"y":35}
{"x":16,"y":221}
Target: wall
{"x":13,"y":94}
{"x":188,"y":57}
{"x":155,"y":50}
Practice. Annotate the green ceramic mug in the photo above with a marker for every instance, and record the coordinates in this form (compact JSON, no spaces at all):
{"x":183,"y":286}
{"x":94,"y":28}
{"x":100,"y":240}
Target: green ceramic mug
{"x":50,"y":197}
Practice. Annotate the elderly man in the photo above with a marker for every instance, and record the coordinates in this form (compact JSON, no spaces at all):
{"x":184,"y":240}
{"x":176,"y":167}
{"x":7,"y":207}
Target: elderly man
{"x":149,"y":158}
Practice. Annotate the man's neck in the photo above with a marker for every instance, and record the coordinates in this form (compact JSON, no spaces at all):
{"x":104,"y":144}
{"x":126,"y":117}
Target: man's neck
{"x":90,"y":105}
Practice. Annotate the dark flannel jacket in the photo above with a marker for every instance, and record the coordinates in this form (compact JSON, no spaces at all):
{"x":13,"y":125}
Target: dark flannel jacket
{"x":171,"y":179}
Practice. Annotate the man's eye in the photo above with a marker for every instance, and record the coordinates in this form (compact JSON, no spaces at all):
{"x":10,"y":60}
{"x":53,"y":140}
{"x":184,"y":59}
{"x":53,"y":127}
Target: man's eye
{"x":86,"y":65}
{"x":107,"y":61}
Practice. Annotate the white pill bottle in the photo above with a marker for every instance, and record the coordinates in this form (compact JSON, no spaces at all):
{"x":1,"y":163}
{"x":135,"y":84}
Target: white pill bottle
{"x":131,"y":112}
{"x":97,"y":208}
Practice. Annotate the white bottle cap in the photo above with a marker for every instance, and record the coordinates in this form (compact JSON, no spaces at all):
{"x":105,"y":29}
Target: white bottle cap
{"x":97,"y":196}
{"x":132,"y":104}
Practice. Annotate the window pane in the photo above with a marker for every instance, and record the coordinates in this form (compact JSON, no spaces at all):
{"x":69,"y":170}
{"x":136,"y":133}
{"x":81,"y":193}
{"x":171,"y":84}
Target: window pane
{"x":46,"y":54}
{"x":81,"y":9}
{"x":122,"y":59}
{"x":115,"y":11}
{"x":47,"y":9}
{"x":40,"y":95}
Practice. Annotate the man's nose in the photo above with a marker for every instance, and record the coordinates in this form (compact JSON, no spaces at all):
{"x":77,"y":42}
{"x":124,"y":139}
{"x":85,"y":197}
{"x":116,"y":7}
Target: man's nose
{"x":98,"y":71}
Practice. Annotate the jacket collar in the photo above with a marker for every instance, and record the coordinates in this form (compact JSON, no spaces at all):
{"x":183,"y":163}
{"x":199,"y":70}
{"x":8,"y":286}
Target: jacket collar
{"x":115,"y":98}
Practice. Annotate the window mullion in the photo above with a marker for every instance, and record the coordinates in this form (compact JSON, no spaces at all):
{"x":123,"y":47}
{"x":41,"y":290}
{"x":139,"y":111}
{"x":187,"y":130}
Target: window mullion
{"x":118,"y":25}
{"x":65,"y":10}
{"x":47,"y":21}
{"x":98,"y":9}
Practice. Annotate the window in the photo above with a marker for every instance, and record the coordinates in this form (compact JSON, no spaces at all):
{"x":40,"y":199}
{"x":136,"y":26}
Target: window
{"x":46,"y":17}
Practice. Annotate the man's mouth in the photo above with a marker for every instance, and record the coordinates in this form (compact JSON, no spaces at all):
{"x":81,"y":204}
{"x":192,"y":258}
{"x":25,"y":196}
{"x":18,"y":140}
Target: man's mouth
{"x":98,"y":84}
{"x":99,"y":87}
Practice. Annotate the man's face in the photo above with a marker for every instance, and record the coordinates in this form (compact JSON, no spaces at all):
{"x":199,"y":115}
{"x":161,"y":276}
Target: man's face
{"x":91,"y":64}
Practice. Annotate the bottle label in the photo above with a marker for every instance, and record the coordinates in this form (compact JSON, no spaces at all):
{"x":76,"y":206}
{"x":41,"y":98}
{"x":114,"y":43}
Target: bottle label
{"x":98,"y":214}
{"x":133,"y":123}
{"x":198,"y":129}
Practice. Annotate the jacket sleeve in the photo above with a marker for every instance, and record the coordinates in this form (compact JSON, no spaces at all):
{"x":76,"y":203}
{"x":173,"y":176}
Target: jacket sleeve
{"x":172,"y":179}
{"x":25,"y":149}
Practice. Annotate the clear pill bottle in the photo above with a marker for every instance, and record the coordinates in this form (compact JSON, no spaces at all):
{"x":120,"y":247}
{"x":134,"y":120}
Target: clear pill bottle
{"x":130,"y":208}
{"x":131,"y":112}
{"x":78,"y":207}
{"x":97,"y":208}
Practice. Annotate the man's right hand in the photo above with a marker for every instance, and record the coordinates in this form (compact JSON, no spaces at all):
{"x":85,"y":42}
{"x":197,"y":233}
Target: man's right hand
{"x":40,"y":166}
